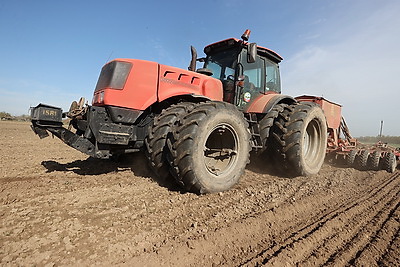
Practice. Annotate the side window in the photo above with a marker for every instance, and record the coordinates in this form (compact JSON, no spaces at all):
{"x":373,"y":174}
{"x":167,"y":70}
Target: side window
{"x":215,"y":68}
{"x":273,"y":82}
{"x":253,"y":75}
{"x":228,"y":72}
{"x":223,"y":63}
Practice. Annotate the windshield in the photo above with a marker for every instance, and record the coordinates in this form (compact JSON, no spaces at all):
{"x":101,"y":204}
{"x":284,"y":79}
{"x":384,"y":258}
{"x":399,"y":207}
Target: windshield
{"x":222,"y":64}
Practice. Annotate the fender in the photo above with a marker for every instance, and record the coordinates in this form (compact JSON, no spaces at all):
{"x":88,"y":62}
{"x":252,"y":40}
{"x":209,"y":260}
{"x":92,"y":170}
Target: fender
{"x":187,"y":97}
{"x":264,"y":103}
{"x":200,"y":97}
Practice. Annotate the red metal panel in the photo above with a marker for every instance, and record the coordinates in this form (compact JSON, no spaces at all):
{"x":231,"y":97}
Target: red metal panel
{"x":258,"y":105}
{"x":174,"y":81}
{"x":149,"y":82}
{"x":140,"y":90}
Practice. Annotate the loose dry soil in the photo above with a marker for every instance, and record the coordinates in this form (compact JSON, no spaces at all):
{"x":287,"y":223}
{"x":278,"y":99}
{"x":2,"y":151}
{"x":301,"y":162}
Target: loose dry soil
{"x":59,"y":207}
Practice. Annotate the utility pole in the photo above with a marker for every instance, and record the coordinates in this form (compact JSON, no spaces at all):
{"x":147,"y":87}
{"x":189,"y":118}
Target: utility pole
{"x":380,"y":132}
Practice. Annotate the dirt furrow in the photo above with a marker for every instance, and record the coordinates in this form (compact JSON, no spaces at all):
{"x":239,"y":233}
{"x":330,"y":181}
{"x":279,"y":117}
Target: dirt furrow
{"x":248,"y":245}
{"x":391,"y":256}
{"x":357,"y":233}
{"x":376,"y":250}
{"x":302,"y":251}
{"x":295,"y":243}
{"x":353,"y":224}
{"x":59,"y":207}
{"x":361,"y":235}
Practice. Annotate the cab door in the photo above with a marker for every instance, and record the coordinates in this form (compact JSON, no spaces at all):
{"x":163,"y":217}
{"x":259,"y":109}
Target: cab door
{"x":252,"y":77}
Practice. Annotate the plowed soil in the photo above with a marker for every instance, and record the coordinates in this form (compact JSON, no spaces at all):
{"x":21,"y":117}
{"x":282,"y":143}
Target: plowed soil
{"x":59,"y":207}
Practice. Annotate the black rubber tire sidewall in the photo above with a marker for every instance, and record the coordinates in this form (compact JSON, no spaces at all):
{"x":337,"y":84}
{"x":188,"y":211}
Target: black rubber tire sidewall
{"x":156,"y":139}
{"x":188,"y":147}
{"x":389,"y":162}
{"x":292,"y":147}
{"x":373,"y":160}
{"x":225,"y":181}
{"x":315,"y":114}
{"x":362,"y":160}
{"x":351,"y":157}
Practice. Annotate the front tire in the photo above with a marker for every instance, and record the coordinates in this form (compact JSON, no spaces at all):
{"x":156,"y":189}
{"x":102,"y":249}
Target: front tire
{"x":156,"y":139}
{"x":210,"y":148}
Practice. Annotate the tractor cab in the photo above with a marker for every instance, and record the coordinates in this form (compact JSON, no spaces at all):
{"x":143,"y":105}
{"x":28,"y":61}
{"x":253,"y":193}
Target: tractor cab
{"x":246,"y":71}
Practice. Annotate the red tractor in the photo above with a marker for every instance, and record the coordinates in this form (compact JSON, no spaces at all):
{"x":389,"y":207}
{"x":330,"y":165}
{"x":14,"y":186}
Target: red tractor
{"x":198,"y":125}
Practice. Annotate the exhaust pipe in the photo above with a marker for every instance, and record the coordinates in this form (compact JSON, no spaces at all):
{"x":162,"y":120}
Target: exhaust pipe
{"x":192,"y":65}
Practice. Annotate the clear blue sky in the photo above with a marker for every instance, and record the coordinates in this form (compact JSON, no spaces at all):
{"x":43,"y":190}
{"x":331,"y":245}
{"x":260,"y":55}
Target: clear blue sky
{"x":346,"y":51}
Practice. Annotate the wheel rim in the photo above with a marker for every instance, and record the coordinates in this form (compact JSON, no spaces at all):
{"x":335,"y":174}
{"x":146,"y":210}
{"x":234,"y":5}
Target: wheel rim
{"x":221,"y":149}
{"x":312,"y":143}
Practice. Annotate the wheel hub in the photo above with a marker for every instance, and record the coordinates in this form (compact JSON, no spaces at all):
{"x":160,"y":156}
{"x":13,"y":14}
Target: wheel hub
{"x":220,"y":149}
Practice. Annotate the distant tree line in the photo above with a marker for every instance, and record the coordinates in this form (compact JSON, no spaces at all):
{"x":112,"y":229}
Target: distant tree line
{"x":4,"y":114}
{"x":7,"y":116}
{"x":385,"y":139}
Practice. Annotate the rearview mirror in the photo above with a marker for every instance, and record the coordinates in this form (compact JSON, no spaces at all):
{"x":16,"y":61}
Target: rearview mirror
{"x":251,"y":53}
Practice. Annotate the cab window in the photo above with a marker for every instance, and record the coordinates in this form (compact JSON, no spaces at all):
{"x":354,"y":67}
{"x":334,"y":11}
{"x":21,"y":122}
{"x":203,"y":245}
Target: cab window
{"x":253,"y":73}
{"x":222,"y":64}
{"x":272,"y":81}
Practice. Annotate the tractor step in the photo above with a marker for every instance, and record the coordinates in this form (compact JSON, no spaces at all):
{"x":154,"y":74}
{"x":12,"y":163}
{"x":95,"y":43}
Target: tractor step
{"x":254,"y":128}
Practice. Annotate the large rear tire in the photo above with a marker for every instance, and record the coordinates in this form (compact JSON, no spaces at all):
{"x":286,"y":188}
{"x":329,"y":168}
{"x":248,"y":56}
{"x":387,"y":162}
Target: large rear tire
{"x":157,"y":136}
{"x":300,"y":138}
{"x":209,"y":150}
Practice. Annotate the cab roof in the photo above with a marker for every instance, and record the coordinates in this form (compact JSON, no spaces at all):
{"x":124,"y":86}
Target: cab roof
{"x":263,"y":51}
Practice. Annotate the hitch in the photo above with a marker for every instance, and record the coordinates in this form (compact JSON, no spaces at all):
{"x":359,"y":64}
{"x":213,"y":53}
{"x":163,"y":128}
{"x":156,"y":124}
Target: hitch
{"x":46,"y":118}
{"x":77,"y":109}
